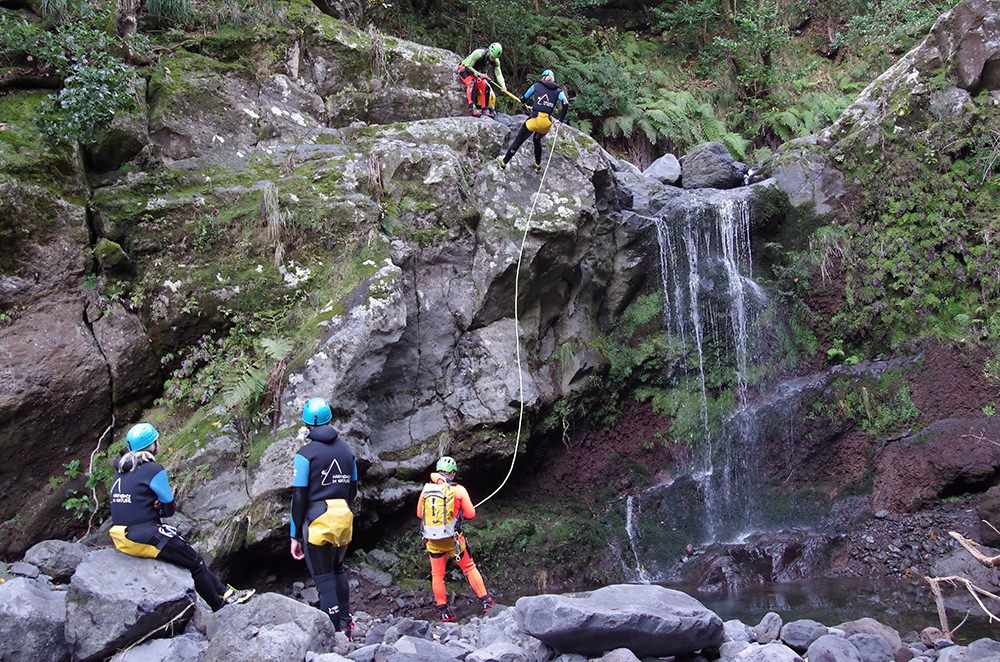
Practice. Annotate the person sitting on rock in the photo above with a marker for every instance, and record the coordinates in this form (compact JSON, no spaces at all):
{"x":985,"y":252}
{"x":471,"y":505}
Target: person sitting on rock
{"x":543,"y":97}
{"x":324,"y":485}
{"x":442,"y":506}
{"x":140,"y":497}
{"x":471,"y":72}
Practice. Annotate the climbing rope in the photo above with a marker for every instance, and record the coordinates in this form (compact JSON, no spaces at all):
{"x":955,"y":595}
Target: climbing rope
{"x":517,"y":328}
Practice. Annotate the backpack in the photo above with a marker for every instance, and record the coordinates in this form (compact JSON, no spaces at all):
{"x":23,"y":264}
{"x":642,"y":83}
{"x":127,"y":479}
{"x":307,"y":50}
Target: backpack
{"x":439,"y":511}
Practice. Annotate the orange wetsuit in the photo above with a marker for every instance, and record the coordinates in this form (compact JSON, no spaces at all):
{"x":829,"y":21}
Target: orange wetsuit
{"x":456,"y":548}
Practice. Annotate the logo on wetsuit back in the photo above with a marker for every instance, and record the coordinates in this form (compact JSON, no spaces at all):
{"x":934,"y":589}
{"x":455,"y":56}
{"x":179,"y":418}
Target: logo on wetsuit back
{"x":331,"y":478}
{"x":117,"y":496}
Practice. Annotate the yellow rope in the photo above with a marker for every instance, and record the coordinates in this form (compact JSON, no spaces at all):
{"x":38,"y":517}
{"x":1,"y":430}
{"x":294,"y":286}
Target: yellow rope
{"x":517,"y":329}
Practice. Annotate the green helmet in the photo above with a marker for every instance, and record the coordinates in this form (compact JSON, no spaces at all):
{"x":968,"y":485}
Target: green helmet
{"x":495,"y":50}
{"x":447,"y":465}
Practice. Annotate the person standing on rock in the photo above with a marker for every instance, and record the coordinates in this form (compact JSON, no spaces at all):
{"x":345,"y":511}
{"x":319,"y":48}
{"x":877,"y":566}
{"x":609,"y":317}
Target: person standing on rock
{"x":543,"y":97}
{"x":140,"y":497}
{"x":472,"y":74}
{"x":442,"y":506}
{"x":324,"y":485}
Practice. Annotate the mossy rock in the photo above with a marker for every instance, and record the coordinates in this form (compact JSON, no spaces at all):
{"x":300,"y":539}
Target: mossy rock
{"x":110,"y":256}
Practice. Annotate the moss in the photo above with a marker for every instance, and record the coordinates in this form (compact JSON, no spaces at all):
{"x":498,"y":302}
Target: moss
{"x":24,"y":154}
{"x":109,"y":255}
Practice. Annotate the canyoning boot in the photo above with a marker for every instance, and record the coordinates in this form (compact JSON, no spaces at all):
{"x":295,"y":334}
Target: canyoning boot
{"x":445,"y":615}
{"x":346,"y":625}
{"x":491,"y":113}
{"x":538,"y":167}
{"x":235,"y":596}
{"x":474,"y":111}
{"x":501,"y":163}
{"x":488,"y":603}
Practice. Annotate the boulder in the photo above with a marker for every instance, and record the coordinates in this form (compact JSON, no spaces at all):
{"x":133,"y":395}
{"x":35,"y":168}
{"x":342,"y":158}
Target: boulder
{"x":32,"y":621}
{"x":502,"y":627}
{"x":772,"y":652}
{"x":372,"y":653}
{"x":953,"y":654}
{"x":710,"y":165}
{"x":269,"y":627}
{"x":797,"y":635}
{"x":666,"y":169}
{"x":618,"y":655}
{"x":831,"y":648}
{"x":22,"y":569}
{"x":56,"y":558}
{"x":983,"y":648}
{"x":500,"y":651}
{"x":768,"y":629}
{"x":650,"y":620}
{"x":176,"y":649}
{"x":736,"y":630}
{"x":404,"y":626}
{"x":114,"y":600}
{"x":871,"y":626}
{"x":731,"y":649}
{"x":428,"y":648}
{"x":326,"y":657}
{"x":872,"y":647}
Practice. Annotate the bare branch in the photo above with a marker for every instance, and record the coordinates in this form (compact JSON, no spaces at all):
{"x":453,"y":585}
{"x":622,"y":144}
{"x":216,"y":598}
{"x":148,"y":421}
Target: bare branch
{"x":90,"y":472}
{"x":974,"y":549}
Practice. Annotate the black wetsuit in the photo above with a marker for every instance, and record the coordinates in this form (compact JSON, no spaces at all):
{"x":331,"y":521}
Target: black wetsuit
{"x":134,"y":497}
{"x":325,"y":473}
{"x":544,"y":95}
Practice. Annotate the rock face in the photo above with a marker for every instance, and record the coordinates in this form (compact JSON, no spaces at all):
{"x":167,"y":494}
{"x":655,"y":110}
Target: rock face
{"x":710,"y":165}
{"x":56,"y":558}
{"x":648,"y":620}
{"x":32,"y":621}
{"x":115,"y":599}
{"x":270,"y":627}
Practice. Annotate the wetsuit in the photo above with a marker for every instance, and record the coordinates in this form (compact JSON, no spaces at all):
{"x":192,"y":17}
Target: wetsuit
{"x":139,"y":498}
{"x":440,"y":550}
{"x":323,"y":489}
{"x":469,"y":73}
{"x":543,"y":96}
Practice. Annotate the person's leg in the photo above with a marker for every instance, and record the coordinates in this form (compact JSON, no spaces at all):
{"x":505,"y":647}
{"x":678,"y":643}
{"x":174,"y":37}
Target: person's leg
{"x":320,"y":559}
{"x":522,"y":135}
{"x":174,"y":549}
{"x":439,"y":563}
{"x":483,"y":94}
{"x":536,"y":138}
{"x":468,"y":566}
{"x":342,"y":588}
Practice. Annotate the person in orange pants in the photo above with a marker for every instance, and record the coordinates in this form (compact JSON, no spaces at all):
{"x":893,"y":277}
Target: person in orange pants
{"x":442,"y":506}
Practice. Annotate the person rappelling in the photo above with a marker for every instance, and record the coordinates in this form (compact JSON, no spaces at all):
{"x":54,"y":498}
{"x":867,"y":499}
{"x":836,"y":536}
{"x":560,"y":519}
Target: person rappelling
{"x":441,"y":508}
{"x":140,"y":498}
{"x":472,"y":74}
{"x":542,"y":98}
{"x":324,"y":485}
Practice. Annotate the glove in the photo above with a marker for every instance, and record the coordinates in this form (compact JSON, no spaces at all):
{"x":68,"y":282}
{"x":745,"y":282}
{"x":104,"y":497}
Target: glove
{"x":527,"y":107}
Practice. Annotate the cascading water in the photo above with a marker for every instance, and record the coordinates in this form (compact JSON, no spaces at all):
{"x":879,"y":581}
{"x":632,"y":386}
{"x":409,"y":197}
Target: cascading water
{"x":640,"y":574}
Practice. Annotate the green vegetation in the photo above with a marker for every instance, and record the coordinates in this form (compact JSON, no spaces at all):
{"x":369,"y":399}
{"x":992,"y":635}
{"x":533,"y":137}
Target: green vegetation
{"x":878,"y":407}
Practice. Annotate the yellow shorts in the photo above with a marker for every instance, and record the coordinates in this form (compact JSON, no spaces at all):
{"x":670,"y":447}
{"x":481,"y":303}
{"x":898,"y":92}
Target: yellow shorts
{"x":126,"y":546}
{"x":454,"y":545}
{"x":334,"y":527}
{"x":541,"y":123}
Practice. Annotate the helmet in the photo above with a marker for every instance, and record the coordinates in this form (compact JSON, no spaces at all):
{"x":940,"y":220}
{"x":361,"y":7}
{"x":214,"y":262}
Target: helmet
{"x":316,"y":412}
{"x":447,"y":464}
{"x":548,"y":72}
{"x":141,"y":435}
{"x":495,"y":50}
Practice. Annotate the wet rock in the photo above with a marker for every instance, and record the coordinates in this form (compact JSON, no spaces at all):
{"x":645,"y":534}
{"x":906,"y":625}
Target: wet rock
{"x":871,"y":626}
{"x":831,"y":648}
{"x":56,"y":558}
{"x":648,"y":619}
{"x":269,"y":627}
{"x":114,"y":600}
{"x":500,"y":651}
{"x":772,"y":652}
{"x":710,"y":165}
{"x":176,"y":649}
{"x":23,"y":569}
{"x":32,"y":622}
{"x":872,"y":647}
{"x":797,"y":635}
{"x":666,"y":169}
{"x":768,"y":629}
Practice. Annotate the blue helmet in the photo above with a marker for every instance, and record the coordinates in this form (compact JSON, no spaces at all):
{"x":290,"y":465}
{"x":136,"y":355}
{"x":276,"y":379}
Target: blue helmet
{"x":316,"y":412}
{"x":548,"y":72}
{"x":141,"y":435}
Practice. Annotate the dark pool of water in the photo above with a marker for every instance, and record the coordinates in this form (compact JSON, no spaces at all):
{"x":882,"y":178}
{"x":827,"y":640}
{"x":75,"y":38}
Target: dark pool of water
{"x":902,"y":605}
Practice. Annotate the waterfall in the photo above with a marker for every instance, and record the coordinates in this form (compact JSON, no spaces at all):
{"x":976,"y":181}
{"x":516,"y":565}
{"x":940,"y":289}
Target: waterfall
{"x":641,"y":575}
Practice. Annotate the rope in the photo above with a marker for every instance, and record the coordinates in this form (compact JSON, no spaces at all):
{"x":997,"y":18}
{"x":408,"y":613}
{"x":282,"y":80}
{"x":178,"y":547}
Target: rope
{"x":517,"y":328}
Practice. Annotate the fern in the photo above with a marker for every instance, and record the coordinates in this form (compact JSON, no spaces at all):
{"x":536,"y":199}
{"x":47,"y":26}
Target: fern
{"x":276,"y":349}
{"x":244,"y":390}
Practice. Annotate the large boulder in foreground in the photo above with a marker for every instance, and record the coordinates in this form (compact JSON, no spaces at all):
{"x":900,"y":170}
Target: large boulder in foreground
{"x":270,"y":627}
{"x":32,"y":619}
{"x":114,"y":600}
{"x":648,"y":620}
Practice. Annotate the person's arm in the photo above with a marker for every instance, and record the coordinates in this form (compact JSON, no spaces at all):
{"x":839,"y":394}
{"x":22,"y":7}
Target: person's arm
{"x":530,"y":92}
{"x":300,"y":494}
{"x":499,"y":75}
{"x":565,"y":105}
{"x":468,"y":511}
{"x":161,"y":487}
{"x":420,"y":505}
{"x":354,"y":482}
{"x":473,"y":56}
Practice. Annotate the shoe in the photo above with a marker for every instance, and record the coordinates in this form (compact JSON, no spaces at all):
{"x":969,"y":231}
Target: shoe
{"x":235,"y":596}
{"x":501,"y":163}
{"x":346,"y":626}
{"x":488,"y":603}
{"x":475,"y":112}
{"x":491,"y":112}
{"x":538,"y":167}
{"x":445,"y":614}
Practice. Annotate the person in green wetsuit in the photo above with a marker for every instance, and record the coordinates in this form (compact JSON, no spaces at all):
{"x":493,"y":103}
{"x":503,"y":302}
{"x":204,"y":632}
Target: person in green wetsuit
{"x":472,"y":74}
